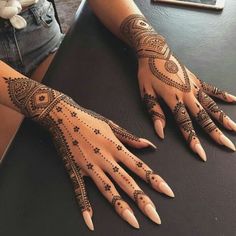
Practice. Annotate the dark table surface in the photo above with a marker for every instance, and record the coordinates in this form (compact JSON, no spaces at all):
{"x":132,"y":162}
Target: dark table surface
{"x":99,"y":72}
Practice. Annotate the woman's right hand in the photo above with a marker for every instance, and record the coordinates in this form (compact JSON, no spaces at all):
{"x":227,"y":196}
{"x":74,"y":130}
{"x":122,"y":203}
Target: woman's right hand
{"x":93,"y":145}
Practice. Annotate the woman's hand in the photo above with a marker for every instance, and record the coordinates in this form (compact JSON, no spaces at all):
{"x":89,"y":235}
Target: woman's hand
{"x":90,"y":145}
{"x":161,"y":75}
{"x":94,"y":145}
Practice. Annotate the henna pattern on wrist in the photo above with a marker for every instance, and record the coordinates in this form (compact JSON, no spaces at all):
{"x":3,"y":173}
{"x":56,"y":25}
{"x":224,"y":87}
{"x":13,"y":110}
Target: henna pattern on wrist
{"x":150,"y":102}
{"x":183,"y":120}
{"x":143,"y":38}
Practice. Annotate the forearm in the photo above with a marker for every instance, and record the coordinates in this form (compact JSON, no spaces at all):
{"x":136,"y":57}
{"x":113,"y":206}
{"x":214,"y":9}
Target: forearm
{"x":112,"y":13}
{"x":125,"y":20}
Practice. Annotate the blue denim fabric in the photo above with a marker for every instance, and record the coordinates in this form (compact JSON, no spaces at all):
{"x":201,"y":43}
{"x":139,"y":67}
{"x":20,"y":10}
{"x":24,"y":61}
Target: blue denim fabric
{"x":26,"y":48}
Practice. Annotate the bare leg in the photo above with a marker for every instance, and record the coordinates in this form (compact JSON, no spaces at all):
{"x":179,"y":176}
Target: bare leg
{"x":10,"y":120}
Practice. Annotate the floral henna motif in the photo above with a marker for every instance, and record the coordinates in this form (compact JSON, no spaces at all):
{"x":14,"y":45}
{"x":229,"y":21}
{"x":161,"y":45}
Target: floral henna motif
{"x":183,"y":120}
{"x":144,"y":38}
{"x":150,"y":102}
{"x":171,"y":67}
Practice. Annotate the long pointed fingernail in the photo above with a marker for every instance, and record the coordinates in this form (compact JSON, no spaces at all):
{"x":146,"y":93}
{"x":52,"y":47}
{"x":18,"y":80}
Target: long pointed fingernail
{"x":152,"y":214}
{"x":165,"y":188}
{"x":232,"y":124}
{"x":227,"y":142}
{"x":148,"y":142}
{"x":159,"y":128}
{"x":231,"y":97}
{"x":200,"y":151}
{"x":130,"y":218}
{"x":88,"y":220}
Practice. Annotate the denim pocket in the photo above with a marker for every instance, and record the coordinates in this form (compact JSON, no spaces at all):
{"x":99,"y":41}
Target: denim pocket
{"x":48,"y":16}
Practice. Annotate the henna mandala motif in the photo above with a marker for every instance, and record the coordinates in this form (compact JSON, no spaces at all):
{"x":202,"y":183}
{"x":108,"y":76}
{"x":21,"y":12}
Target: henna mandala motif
{"x":209,"y":104}
{"x":208,"y":88}
{"x":150,"y":102}
{"x":143,"y":38}
{"x":31,"y":97}
{"x":171,"y":67}
{"x":184,"y":87}
{"x":183,"y":120}
{"x":205,"y":121}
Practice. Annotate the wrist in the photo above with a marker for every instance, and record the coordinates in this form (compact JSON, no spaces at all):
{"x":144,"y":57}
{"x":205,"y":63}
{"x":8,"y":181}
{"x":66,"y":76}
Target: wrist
{"x":143,"y":38}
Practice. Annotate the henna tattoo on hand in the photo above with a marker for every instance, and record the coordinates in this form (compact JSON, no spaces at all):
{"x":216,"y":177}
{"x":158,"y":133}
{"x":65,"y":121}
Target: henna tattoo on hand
{"x":183,"y":86}
{"x":209,"y":104}
{"x":205,"y":121}
{"x":150,"y":102}
{"x":208,"y":88}
{"x":140,"y":35}
{"x":183,"y":120}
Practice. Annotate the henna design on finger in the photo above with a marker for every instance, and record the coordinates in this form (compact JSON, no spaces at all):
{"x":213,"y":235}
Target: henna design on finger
{"x":205,"y":121}
{"x":183,"y":120}
{"x":123,"y":132}
{"x":210,"y":105}
{"x":150,"y":101}
{"x":140,"y":35}
{"x":208,"y":88}
{"x":183,"y":86}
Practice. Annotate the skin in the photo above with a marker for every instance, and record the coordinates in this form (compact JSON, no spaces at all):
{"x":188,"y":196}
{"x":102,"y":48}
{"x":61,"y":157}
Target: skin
{"x":88,"y":143}
{"x":162,"y":76}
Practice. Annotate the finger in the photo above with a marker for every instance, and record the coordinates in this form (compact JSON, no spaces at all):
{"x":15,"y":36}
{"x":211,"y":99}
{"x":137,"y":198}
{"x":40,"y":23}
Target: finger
{"x":154,"y":109}
{"x":109,"y":191}
{"x":215,"y":92}
{"x":212,"y":108}
{"x":126,"y":137}
{"x":80,"y":192}
{"x":186,"y":127}
{"x":143,"y":171}
{"x":127,"y":183}
{"x":204,"y":120}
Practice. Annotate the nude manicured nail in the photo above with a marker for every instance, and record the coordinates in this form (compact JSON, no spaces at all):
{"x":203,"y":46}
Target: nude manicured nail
{"x":227,"y":142}
{"x":232,"y":125}
{"x":159,"y":128}
{"x":148,"y":142}
{"x":130,"y":218}
{"x":152,"y":214}
{"x":165,"y":188}
{"x":88,"y":220}
{"x":200,"y":151}
{"x":231,"y":97}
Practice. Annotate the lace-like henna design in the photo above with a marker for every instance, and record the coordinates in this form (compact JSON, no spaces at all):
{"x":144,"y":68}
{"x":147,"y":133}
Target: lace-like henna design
{"x":210,"y":105}
{"x":183,"y":120}
{"x":150,"y":102}
{"x":150,"y":175}
{"x":144,"y":39}
{"x":171,"y":67}
{"x":208,"y":88}
{"x":205,"y":121}
{"x":71,"y":166}
{"x":184,"y":87}
{"x":31,"y":97}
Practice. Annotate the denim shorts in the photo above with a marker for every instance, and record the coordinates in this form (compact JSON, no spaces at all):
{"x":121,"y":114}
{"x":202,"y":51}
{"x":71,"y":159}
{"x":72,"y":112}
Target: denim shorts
{"x":24,"y":49}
